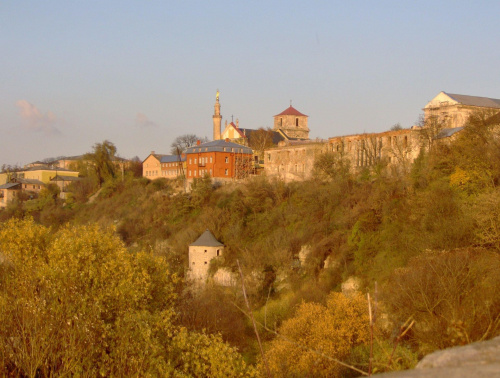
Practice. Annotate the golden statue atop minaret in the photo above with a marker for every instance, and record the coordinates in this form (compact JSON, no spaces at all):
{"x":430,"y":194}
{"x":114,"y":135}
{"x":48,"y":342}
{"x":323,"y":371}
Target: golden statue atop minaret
{"x":217,"y":117}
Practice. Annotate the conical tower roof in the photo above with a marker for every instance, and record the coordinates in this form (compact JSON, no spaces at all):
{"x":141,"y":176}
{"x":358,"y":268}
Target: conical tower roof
{"x":207,"y":239}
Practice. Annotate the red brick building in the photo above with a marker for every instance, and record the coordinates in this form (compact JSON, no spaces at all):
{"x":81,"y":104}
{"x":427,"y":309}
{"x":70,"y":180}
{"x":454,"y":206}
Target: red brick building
{"x":221,"y":160}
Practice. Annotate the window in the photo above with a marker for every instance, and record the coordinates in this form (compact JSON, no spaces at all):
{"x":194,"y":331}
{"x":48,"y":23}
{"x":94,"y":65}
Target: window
{"x":217,"y":252}
{"x":226,"y":172}
{"x":195,"y":160}
{"x":296,"y":122}
{"x":210,"y":171}
{"x":210,"y":159}
{"x":190,"y":161}
{"x":189,"y":172}
{"x":205,"y":251}
{"x":227,"y":159}
{"x":206,"y":263}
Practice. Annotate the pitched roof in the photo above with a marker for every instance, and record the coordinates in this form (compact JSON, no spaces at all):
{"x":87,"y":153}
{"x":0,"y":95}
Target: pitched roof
{"x":9,"y":185}
{"x":28,"y":181}
{"x":277,"y":137}
{"x":207,"y":239}
{"x":65,"y":178}
{"x":172,"y":158}
{"x":283,"y":132}
{"x":291,"y":111}
{"x":484,"y":102}
{"x":448,"y":132}
{"x":157,"y":157}
{"x":219,"y":146}
{"x":238,"y":130}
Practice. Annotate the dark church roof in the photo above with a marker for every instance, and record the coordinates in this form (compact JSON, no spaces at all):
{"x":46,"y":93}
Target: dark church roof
{"x":291,"y":111}
{"x":277,"y":137}
{"x":206,"y":240}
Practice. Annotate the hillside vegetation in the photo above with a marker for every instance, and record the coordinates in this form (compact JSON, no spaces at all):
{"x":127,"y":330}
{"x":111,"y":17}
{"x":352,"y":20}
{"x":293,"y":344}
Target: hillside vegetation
{"x":423,"y":241}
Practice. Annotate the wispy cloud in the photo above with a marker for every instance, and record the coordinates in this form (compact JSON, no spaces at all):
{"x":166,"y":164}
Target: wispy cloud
{"x":35,"y":120}
{"x":142,"y":121}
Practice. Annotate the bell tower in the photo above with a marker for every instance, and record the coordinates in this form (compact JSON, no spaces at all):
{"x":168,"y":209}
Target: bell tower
{"x":217,"y":118}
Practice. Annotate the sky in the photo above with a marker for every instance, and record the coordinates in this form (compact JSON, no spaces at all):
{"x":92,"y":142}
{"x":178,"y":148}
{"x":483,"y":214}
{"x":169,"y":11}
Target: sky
{"x":140,"y":73}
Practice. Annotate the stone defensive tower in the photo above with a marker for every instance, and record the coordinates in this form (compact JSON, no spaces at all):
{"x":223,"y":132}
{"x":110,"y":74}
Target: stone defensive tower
{"x":293,"y":123}
{"x":204,"y":249}
{"x":217,"y":118}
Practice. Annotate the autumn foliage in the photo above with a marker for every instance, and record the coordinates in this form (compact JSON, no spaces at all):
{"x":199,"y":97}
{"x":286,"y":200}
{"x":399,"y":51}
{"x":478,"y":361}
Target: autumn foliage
{"x":317,"y":334}
{"x":78,"y":303}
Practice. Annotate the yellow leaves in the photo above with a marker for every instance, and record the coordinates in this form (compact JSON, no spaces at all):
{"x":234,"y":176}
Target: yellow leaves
{"x":80,"y":297}
{"x":314,"y":330}
{"x":76,"y":302}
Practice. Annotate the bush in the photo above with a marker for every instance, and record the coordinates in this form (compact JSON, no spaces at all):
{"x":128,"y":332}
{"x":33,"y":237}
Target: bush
{"x":451,"y":295}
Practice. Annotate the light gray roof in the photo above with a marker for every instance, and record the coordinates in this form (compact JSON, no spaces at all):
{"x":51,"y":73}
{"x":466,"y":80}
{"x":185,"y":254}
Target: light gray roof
{"x":219,"y":146}
{"x":65,"y":178}
{"x":446,"y":133}
{"x":484,"y":102}
{"x":172,"y":158}
{"x":28,"y":181}
{"x":9,"y":185}
{"x":206,"y":240}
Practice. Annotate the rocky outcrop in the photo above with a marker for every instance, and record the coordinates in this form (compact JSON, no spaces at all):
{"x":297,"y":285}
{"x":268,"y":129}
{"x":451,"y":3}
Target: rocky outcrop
{"x":481,"y":359}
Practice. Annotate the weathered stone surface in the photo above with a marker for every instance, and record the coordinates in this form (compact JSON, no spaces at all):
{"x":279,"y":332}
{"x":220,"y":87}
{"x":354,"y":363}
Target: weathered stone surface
{"x":481,"y":359}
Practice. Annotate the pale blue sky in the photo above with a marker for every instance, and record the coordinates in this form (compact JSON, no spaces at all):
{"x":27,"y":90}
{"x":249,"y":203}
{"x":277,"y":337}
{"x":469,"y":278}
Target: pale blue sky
{"x":140,"y":73}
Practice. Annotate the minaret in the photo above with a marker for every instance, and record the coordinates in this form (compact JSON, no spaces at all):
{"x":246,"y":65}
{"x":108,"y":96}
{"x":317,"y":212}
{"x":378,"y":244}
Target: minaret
{"x":217,"y":117}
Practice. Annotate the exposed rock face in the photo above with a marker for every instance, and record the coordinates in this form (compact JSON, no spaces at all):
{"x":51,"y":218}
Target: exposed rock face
{"x":351,"y":286}
{"x":481,"y":359}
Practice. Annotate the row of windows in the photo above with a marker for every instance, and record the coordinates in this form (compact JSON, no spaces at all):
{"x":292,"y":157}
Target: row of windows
{"x":151,"y":173}
{"x":206,"y":160}
{"x":203,"y":172}
{"x":202,"y":160}
{"x":165,"y":165}
{"x":226,"y":149}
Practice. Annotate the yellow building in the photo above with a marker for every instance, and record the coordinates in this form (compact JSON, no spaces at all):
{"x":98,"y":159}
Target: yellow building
{"x":44,"y":173}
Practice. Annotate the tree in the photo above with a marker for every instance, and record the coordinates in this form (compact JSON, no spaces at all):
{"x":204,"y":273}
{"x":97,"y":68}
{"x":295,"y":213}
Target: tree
{"x":102,"y":161}
{"x":76,"y":302}
{"x":260,"y":140}
{"x":332,"y":166}
{"x":451,"y":295}
{"x":183,"y":142}
{"x":331,"y":330}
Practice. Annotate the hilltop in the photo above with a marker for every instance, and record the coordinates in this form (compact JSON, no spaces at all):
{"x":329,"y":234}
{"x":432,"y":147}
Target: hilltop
{"x":424,"y":240}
